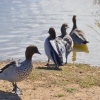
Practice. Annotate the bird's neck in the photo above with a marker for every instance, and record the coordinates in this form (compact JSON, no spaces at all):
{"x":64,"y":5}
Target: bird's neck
{"x":51,"y":37}
{"x":74,"y":26}
{"x":27,"y":62}
{"x":64,"y":33}
{"x":29,"y":57}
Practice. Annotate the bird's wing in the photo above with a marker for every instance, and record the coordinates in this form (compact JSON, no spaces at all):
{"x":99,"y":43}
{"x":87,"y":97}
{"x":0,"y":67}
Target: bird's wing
{"x":69,"y":40}
{"x":59,"y":48}
{"x":53,"y":44}
{"x":80,"y":34}
{"x":8,"y":67}
{"x":69,"y":44}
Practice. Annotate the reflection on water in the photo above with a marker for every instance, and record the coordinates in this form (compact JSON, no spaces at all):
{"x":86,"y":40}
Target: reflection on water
{"x":79,"y":48}
{"x":25,"y":22}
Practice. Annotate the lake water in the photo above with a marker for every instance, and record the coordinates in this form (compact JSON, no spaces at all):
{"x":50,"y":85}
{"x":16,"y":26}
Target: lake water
{"x":25,"y":22}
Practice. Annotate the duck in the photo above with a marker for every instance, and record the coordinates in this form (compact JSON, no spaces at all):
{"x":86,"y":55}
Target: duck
{"x":67,"y":39}
{"x":77,"y":35}
{"x":55,"y":49}
{"x":16,"y":72}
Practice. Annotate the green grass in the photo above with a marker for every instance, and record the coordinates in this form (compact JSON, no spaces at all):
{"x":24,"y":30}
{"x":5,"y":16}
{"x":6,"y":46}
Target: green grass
{"x":70,"y":90}
{"x":60,"y":95}
{"x":82,"y":74}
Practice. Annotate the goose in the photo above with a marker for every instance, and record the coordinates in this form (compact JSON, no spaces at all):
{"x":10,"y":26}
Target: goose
{"x":77,"y":35}
{"x":55,"y":49}
{"x":67,"y":39}
{"x":14,"y":72}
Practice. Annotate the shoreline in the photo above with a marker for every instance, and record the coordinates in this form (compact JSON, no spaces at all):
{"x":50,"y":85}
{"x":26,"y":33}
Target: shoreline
{"x":44,"y":61}
{"x":71,"y":82}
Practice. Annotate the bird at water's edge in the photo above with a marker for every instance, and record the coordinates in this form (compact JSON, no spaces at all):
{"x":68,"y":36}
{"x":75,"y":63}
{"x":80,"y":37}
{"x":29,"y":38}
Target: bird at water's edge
{"x":15,"y":73}
{"x":55,"y":49}
{"x":67,"y":39}
{"x":77,"y":35}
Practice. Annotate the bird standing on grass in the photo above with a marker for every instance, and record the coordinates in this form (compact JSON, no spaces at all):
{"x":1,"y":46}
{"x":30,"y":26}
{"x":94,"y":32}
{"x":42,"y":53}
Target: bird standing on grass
{"x":77,"y":35}
{"x":67,"y":39}
{"x":16,"y":73}
{"x":55,"y":49}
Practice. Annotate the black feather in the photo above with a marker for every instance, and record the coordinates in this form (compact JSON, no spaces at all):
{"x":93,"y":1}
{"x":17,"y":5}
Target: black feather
{"x":11,"y":63}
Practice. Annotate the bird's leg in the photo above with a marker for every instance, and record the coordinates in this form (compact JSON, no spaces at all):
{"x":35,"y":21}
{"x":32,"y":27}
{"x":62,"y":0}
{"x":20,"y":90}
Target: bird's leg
{"x":48,"y":63}
{"x":16,"y":89}
{"x":56,"y":67}
{"x":66,"y":60}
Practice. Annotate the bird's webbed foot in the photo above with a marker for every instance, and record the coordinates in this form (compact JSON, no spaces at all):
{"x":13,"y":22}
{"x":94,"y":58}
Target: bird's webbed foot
{"x":16,"y":89}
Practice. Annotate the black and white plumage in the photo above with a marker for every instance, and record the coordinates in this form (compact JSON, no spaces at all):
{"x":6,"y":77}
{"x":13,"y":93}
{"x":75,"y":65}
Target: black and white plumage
{"x":67,"y":39}
{"x":55,"y":49}
{"x":77,"y":35}
{"x":14,"y":72}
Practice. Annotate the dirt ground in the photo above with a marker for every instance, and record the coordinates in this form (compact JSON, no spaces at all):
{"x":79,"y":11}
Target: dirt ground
{"x":40,"y":90}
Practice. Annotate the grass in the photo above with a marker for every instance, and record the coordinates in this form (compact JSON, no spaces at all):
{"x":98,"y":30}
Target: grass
{"x":60,"y":95}
{"x":82,"y":74}
{"x":70,"y":90}
{"x":88,"y":81}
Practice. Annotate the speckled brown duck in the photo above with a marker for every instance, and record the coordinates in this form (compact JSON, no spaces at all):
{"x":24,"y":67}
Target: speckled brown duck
{"x":14,"y":72}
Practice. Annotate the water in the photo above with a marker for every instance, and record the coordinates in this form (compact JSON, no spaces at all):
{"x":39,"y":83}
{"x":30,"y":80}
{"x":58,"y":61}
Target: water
{"x":25,"y":22}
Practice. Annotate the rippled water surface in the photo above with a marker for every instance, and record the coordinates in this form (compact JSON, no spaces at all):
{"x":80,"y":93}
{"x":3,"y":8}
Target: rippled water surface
{"x":25,"y":22}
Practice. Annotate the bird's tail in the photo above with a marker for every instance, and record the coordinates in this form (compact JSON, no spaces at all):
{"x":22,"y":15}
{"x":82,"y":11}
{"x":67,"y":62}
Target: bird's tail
{"x":86,"y":42}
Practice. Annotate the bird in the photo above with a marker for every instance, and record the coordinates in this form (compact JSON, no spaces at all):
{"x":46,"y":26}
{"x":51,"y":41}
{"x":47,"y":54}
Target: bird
{"x":15,"y":72}
{"x":77,"y":35}
{"x":67,"y":39}
{"x":55,"y":49}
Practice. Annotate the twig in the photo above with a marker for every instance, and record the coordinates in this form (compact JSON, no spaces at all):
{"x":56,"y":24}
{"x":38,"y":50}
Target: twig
{"x":95,"y":38}
{"x":97,"y":22}
{"x":94,"y":29}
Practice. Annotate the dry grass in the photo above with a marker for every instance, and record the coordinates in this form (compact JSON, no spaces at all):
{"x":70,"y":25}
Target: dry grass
{"x":82,"y":74}
{"x":46,"y":83}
